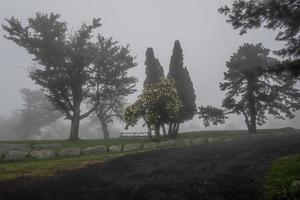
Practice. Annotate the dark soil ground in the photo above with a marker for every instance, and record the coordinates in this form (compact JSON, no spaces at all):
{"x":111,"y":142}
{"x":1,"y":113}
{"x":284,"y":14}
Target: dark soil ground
{"x":228,"y":171}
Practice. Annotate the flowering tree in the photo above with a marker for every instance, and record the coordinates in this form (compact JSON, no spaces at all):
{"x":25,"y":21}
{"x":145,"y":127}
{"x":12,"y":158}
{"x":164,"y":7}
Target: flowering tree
{"x":158,"y":104}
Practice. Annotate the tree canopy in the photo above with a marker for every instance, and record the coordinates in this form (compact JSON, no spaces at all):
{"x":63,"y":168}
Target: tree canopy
{"x":271,"y":14}
{"x":254,"y":92}
{"x":158,"y":104}
{"x":184,"y":87}
{"x":154,"y":71}
{"x":73,"y":68}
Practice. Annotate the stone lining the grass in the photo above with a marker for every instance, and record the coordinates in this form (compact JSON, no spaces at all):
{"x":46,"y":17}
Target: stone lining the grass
{"x":132,"y":147}
{"x":38,"y":151}
{"x":94,"y":150}
{"x":115,"y":148}
{"x":43,"y":154}
{"x":73,"y":151}
{"x":16,"y":152}
{"x":15,"y":155}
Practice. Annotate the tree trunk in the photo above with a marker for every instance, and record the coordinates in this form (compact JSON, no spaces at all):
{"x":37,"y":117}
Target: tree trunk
{"x":150,"y":133}
{"x":74,"y":130}
{"x":164,"y":130}
{"x":252,"y":108}
{"x":170,"y":129}
{"x":105,"y":130}
{"x":176,"y":130}
{"x":157,"y":134}
{"x":173,"y":130}
{"x":252,"y":125}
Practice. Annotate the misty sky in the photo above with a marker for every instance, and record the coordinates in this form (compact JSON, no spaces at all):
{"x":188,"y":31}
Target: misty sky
{"x":207,"y":41}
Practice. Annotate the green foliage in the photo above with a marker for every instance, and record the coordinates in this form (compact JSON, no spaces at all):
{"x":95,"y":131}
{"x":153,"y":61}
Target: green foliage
{"x":278,"y":182}
{"x":253,"y":91}
{"x":74,"y":69}
{"x":154,"y":71}
{"x":213,"y":115}
{"x":183,"y":83}
{"x":158,"y":104}
{"x":272,"y":14}
{"x":116,"y":82}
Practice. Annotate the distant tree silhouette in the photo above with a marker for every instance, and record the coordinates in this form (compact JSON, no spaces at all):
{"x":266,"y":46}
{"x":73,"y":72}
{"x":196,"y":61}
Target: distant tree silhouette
{"x":107,"y":111}
{"x":184,"y":87}
{"x":70,"y":66}
{"x":275,"y":15}
{"x":253,"y":91}
{"x":154,"y":71}
{"x":37,"y":113}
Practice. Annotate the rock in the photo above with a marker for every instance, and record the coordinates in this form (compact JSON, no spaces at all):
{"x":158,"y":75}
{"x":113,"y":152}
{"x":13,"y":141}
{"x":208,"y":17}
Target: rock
{"x":167,"y":144}
{"x":150,"y":145}
{"x":95,"y":150}
{"x":15,"y":155}
{"x":43,"y":154}
{"x":5,"y":148}
{"x":46,"y":146}
{"x":20,"y":147}
{"x":213,"y":140}
{"x":116,"y":148}
{"x":199,"y":141}
{"x":183,"y":143}
{"x":132,"y":147}
{"x":69,"y":152}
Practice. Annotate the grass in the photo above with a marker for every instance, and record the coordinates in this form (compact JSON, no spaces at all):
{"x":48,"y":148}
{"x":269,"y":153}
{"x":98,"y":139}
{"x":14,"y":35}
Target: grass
{"x":12,"y":170}
{"x":31,"y":167}
{"x":278,"y":182}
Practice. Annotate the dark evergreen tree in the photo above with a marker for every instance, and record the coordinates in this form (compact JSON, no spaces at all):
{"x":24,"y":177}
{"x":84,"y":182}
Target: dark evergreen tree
{"x":70,"y":66}
{"x":154,"y":71}
{"x":271,"y":14}
{"x":253,"y":91}
{"x":184,"y":87}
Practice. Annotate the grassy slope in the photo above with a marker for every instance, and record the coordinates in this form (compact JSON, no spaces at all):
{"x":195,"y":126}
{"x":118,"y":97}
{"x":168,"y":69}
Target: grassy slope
{"x":11,"y":170}
{"x":278,"y":182}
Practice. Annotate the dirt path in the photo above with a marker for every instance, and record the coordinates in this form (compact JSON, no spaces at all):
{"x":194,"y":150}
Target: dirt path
{"x":219,"y":171}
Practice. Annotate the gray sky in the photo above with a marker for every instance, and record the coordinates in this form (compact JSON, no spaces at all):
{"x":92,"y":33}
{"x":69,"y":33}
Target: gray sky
{"x":207,"y":41}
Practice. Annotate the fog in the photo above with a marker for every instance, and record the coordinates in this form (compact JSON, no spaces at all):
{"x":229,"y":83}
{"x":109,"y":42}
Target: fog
{"x":206,"y":39}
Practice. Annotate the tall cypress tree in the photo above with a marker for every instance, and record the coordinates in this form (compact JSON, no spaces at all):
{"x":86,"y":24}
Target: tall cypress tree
{"x":185,"y":89}
{"x":154,"y":71}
